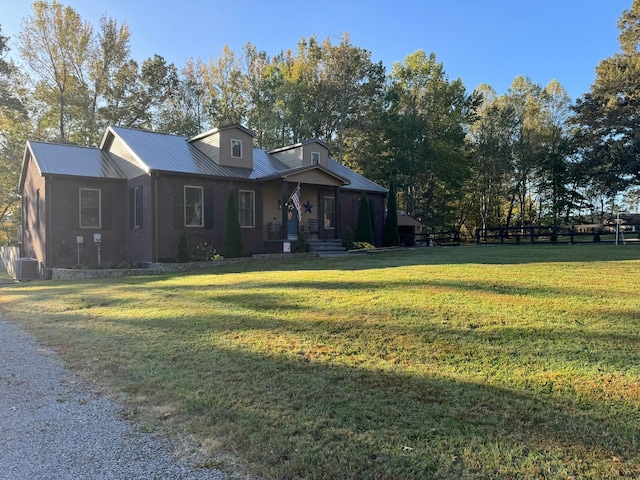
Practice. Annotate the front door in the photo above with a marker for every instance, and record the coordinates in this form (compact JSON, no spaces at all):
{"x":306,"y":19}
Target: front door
{"x":292,"y":225}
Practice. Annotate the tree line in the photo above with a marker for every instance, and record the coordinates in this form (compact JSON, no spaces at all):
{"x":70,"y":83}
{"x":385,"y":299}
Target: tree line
{"x":459,"y":160}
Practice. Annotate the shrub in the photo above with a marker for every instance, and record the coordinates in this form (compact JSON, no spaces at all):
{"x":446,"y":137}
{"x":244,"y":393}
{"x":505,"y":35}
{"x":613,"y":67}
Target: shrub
{"x":364,"y":232}
{"x":391,"y":236}
{"x":347,"y":238}
{"x":182,"y":252}
{"x":301,"y":244}
{"x":362,"y":246}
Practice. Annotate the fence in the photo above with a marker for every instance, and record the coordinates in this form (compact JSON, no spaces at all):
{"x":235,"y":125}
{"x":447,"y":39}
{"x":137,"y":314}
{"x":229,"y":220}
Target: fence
{"x":567,"y":234}
{"x":8,"y":255}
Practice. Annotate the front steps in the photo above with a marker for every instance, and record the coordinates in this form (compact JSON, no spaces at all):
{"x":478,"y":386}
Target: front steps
{"x":327,"y":248}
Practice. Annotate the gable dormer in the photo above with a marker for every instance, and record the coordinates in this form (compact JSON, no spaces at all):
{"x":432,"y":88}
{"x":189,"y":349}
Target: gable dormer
{"x":230,"y":146}
{"x":310,"y":152}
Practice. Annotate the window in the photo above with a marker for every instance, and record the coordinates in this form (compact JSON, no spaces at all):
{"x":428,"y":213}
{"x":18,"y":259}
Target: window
{"x":236,"y":148}
{"x":137,"y":207}
{"x":193,"y":207}
{"x":246,"y":208}
{"x":38,"y":208}
{"x":89,"y":208}
{"x":315,"y":158}
{"x":26,"y":213}
{"x":329,"y":212}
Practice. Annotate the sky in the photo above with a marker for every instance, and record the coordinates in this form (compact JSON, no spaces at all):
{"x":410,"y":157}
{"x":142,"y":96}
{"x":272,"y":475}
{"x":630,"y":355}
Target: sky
{"x":478,"y":41}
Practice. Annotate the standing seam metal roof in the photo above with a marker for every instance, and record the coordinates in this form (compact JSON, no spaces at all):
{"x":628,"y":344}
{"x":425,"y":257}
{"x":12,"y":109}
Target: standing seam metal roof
{"x":168,"y":153}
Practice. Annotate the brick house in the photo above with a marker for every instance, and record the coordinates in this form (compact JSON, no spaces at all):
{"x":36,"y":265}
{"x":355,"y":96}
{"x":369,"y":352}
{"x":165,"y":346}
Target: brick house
{"x":132,"y":198}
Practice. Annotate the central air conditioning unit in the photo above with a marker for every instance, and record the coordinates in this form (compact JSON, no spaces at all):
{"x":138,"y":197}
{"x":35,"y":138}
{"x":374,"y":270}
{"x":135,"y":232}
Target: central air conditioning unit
{"x":25,"y":269}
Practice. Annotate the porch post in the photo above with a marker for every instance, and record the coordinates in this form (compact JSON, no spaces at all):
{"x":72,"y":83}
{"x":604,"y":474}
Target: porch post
{"x":284,"y":219}
{"x":338,"y":213}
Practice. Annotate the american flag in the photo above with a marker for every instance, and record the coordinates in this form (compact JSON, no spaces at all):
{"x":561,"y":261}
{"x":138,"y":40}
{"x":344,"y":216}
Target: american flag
{"x":295,"y":197}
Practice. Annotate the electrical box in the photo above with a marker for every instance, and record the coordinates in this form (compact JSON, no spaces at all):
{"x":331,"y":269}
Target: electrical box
{"x":97,"y":238}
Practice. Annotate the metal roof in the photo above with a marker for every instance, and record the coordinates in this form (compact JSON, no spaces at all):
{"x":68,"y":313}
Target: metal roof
{"x":60,"y":159}
{"x":168,"y":153}
{"x":358,"y":182}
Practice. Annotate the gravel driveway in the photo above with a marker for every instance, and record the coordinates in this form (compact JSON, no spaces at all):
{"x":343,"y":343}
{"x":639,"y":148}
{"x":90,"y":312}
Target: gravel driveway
{"x":53,"y":427}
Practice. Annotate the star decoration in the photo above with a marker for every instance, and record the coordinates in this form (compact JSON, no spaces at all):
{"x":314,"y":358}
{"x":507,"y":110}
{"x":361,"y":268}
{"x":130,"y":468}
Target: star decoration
{"x":307,"y":207}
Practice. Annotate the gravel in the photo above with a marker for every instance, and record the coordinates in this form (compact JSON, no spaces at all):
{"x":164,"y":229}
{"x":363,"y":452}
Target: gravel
{"x":52,"y":426}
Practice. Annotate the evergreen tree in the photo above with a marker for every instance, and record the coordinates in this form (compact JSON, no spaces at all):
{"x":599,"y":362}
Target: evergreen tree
{"x":364,"y":232}
{"x":391,"y":236}
{"x":232,"y":232}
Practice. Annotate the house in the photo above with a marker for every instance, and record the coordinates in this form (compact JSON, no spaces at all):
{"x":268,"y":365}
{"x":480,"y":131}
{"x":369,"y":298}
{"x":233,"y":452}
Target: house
{"x":131,"y":199}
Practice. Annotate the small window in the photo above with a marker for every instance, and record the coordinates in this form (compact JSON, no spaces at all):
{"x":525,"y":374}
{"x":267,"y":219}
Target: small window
{"x":38,"y":208}
{"x":329,"y":212}
{"x":246,"y":208}
{"x":26,"y":213}
{"x":137,"y":207}
{"x":89,"y":208}
{"x":236,"y":148}
{"x":193,"y":207}
{"x":315,"y":158}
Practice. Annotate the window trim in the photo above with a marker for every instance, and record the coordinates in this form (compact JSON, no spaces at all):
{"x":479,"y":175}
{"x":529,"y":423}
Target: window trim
{"x":253,"y":208}
{"x":319,"y":156}
{"x":184,"y":206}
{"x":99,"y":226}
{"x":137,"y":223}
{"x":239,"y":142}
{"x":324,"y":211}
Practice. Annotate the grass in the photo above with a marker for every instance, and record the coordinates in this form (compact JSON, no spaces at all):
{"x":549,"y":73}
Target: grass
{"x":480,"y":362}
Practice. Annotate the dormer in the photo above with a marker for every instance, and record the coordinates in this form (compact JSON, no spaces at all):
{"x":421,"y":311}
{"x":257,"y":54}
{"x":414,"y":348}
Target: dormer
{"x":230,"y":146}
{"x":310,"y":152}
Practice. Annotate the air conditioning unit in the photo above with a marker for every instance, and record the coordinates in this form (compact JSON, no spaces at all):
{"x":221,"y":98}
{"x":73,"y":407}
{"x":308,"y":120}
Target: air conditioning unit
{"x":25,"y":269}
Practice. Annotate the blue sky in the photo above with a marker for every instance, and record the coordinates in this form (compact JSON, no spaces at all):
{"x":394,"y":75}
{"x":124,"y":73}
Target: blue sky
{"x":479,"y":41}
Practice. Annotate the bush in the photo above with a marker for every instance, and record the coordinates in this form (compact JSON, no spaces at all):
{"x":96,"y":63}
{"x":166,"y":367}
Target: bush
{"x":391,"y":236}
{"x":347,"y":238}
{"x":362,"y":246}
{"x":182,"y":252}
{"x":364,"y":232}
{"x":301,"y":244}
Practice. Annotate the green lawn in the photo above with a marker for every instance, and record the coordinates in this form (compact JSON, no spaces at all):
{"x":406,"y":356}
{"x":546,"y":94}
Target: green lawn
{"x":471,"y":362}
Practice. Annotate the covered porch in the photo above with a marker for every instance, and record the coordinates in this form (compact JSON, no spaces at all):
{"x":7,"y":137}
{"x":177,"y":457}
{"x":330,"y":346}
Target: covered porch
{"x":318,"y":197}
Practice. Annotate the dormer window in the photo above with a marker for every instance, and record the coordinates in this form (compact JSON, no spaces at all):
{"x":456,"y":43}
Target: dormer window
{"x":236,"y":148}
{"x":315,"y":158}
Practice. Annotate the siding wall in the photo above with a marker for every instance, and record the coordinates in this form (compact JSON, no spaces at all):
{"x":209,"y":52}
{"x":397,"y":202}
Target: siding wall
{"x":33,"y":232}
{"x":63,"y":199}
{"x":140,"y":241}
{"x":170,"y":226}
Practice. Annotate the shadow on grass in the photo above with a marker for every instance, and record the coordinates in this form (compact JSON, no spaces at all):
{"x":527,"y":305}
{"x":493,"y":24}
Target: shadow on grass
{"x":295,"y":418}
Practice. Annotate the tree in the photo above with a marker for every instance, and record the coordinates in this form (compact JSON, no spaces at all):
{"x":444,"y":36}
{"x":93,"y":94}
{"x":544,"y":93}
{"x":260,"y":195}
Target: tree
{"x":55,"y":43}
{"x":225,"y":85}
{"x":491,"y":141}
{"x":391,"y":235}
{"x":233,"y":246}
{"x":364,"y":229}
{"x":607,"y":136}
{"x":15,"y":128}
{"x":426,"y":136}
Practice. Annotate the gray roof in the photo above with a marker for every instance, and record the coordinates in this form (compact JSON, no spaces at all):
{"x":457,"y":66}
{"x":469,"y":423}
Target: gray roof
{"x":169,"y":153}
{"x":60,"y":159}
